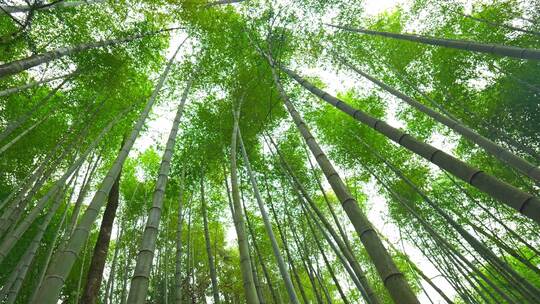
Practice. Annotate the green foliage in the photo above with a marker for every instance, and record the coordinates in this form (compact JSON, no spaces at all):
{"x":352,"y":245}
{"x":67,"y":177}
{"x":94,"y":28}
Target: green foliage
{"x":496,"y":96}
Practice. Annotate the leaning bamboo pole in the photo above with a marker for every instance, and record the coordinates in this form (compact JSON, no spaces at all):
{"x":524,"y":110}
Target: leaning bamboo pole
{"x":64,"y":259}
{"x":519,"y":200}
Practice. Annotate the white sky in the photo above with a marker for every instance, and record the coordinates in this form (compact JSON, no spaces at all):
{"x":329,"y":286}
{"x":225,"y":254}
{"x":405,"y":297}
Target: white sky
{"x":374,"y":7}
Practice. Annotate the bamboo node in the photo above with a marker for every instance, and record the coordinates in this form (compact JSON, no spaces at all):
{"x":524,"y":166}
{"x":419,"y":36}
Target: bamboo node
{"x":393,"y":274}
{"x":349,"y":199}
{"x":139,"y":276}
{"x":72,"y":252}
{"x":401,"y":137}
{"x":142,"y":250}
{"x":525,"y":202}
{"x":432,"y":155}
{"x":54,"y":276}
{"x":365,"y":230}
{"x":470,"y":179}
{"x":358,"y":111}
{"x":82,"y":229}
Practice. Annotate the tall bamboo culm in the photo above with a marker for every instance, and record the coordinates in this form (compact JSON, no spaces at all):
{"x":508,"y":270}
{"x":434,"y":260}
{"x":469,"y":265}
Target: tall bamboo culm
{"x":141,"y":275}
{"x":268,"y":227}
{"x":392,"y":278}
{"x":208,"y":245}
{"x":24,"y":64}
{"x":496,"y":49}
{"x":178,"y":239}
{"x":53,"y":5}
{"x":238,"y":218}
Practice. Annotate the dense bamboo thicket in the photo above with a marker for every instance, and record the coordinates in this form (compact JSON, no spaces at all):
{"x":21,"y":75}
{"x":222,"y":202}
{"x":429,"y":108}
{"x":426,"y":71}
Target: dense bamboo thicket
{"x":247,"y":151}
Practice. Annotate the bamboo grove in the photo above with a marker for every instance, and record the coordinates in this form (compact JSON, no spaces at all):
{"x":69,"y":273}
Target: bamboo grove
{"x":311,"y":151}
